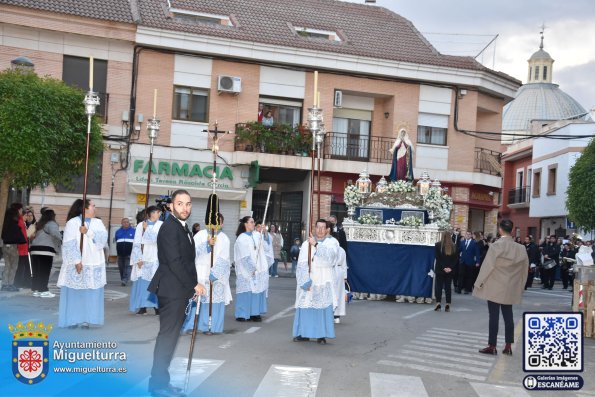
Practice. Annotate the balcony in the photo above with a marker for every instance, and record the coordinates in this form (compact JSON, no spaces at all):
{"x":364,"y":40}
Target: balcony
{"x":279,"y":139}
{"x":343,"y":146}
{"x":519,"y":197}
{"x":487,"y":161}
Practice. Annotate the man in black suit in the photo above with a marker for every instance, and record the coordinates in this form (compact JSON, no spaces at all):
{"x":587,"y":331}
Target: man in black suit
{"x":456,"y":239}
{"x":338,"y":232}
{"x":174,"y":283}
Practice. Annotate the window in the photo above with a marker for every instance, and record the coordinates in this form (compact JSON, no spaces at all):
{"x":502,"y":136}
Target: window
{"x":551,"y":179}
{"x":191,"y":104}
{"x":283,"y":111}
{"x":75,"y":73}
{"x":77,"y":182}
{"x":545,"y":72}
{"x":350,"y":138}
{"x":519,"y":179}
{"x":530,"y":70}
{"x":432,"y":129}
{"x":317,"y":34}
{"x":536,"y":73}
{"x":536,"y":183}
{"x":193,"y":17}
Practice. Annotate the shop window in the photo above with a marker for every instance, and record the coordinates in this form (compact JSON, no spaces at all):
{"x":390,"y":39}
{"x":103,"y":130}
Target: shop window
{"x":191,"y":104}
{"x":75,"y":73}
{"x":536,"y":183}
{"x":551,"y":179}
{"x":283,"y":111}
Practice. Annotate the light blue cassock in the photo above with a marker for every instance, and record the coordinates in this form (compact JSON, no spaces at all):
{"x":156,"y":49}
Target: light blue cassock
{"x":218,"y":275}
{"x":81,"y":294}
{"x":144,"y":249}
{"x":252,"y":275}
{"x":315,"y":296}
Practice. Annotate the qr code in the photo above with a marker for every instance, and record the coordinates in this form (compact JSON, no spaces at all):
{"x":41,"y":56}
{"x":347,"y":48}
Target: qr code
{"x":553,"y":342}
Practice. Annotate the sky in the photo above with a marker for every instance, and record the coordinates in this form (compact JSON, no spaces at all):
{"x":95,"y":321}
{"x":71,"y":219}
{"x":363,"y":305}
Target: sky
{"x":569,"y":35}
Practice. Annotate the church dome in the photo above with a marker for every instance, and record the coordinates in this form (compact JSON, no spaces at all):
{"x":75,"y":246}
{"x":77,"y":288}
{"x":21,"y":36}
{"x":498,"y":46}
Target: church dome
{"x":539,"y":101}
{"x":540,"y":55}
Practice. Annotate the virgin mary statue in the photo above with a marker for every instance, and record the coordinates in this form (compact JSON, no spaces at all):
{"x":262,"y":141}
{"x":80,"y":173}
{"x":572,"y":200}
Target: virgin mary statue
{"x":402,"y":163}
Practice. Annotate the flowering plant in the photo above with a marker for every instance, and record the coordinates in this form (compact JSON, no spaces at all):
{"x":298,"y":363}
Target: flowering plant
{"x":352,"y":196}
{"x":411,"y":221}
{"x":400,"y":186}
{"x":368,"y":219}
{"x":391,"y":221}
{"x":440,"y":204}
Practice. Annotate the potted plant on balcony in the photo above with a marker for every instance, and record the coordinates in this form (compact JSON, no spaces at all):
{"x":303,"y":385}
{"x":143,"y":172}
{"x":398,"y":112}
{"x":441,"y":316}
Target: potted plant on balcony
{"x":246,"y":135}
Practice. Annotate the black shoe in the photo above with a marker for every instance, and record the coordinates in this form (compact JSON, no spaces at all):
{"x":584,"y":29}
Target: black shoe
{"x":142,"y":311}
{"x":256,"y":319}
{"x":156,"y":311}
{"x":447,"y":308}
{"x":321,"y":341}
{"x":241,"y":319}
{"x":75,"y":326}
{"x":301,"y":339}
{"x":438,"y":307}
{"x":123,"y":284}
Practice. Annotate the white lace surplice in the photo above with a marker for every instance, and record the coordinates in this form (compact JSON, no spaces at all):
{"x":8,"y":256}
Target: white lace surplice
{"x":221,"y":266}
{"x":248,"y":261}
{"x":92,"y":275}
{"x":144,"y":249}
{"x":322,"y":292}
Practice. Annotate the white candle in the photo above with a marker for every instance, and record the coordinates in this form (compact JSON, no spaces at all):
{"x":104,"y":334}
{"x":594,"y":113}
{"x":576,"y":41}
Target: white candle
{"x":91,"y":74}
{"x":315,"y":85}
{"x":155,"y":103}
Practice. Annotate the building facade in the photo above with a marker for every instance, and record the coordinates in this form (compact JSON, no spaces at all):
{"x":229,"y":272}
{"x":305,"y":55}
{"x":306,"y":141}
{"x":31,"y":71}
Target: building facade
{"x":220,"y":62}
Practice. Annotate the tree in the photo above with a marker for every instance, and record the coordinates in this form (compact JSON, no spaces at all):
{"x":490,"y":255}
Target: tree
{"x":580,"y":196}
{"x":43,"y":132}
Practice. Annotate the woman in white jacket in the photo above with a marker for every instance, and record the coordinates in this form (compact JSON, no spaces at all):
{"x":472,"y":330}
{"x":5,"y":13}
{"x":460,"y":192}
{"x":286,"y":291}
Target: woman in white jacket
{"x":144,"y":262}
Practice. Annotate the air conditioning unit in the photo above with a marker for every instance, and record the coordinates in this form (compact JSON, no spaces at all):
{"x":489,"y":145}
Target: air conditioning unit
{"x":229,"y":84}
{"x":338,"y":99}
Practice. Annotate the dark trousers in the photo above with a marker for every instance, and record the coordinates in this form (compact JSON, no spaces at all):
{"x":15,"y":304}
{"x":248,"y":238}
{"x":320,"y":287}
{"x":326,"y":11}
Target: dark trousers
{"x":443,"y":281}
{"x":494,"y":311}
{"x":42,"y":267}
{"x":124,"y":267}
{"x":22,"y":277}
{"x":455,"y":275}
{"x":565,"y":276}
{"x":171,"y":318}
{"x":466,"y":277}
{"x":548,"y":276}
{"x":529,"y":282}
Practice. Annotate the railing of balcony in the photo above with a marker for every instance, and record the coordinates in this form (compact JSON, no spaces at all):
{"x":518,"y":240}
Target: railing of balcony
{"x":344,"y":146}
{"x":487,"y":161}
{"x":520,"y":195}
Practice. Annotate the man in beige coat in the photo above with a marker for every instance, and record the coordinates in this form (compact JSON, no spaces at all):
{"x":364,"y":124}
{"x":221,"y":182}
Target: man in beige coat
{"x":501,"y":282}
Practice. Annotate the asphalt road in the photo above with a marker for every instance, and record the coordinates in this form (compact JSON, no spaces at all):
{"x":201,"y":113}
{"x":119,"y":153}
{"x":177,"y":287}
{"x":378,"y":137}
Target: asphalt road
{"x":383,"y":348}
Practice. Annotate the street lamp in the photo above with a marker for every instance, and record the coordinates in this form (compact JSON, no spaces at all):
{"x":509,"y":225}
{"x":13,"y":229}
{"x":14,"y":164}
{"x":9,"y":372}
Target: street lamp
{"x":423,"y":185}
{"x":22,"y":63}
{"x":364,"y":184}
{"x":153,"y":126}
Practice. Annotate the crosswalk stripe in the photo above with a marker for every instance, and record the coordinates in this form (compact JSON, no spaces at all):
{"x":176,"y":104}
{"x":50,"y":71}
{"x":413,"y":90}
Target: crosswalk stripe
{"x":199,"y":372}
{"x":451,"y":335}
{"x":386,"y":385}
{"x":459,"y":339}
{"x":487,"y":390}
{"x":447,"y":341}
{"x":289,"y":381}
{"x":251,"y":330}
{"x":456,"y":358}
{"x":432,"y":370}
{"x":459,"y":332}
{"x":441,"y":364}
{"x":441,"y":347}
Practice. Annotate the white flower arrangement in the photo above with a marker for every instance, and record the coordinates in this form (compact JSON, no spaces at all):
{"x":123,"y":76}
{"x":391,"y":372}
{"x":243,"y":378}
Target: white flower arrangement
{"x":400,"y":186}
{"x":368,"y":219}
{"x":411,"y":221}
{"x":440,"y":204}
{"x":352,"y":196}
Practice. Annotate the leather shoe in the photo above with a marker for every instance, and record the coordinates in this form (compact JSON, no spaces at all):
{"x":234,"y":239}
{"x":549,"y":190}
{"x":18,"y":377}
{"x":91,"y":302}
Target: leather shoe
{"x":256,"y":319}
{"x":507,"y":349}
{"x":489,"y":350}
{"x":437,"y":308}
{"x":241,"y":319}
{"x":447,"y":308}
{"x":321,"y":341}
{"x":300,"y":339}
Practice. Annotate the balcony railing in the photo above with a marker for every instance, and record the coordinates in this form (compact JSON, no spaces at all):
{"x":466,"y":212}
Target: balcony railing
{"x":487,"y":161}
{"x":344,"y":146}
{"x":520,"y":195}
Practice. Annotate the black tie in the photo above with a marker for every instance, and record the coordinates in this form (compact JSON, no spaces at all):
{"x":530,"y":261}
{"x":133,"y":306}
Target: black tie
{"x":188,"y":232}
